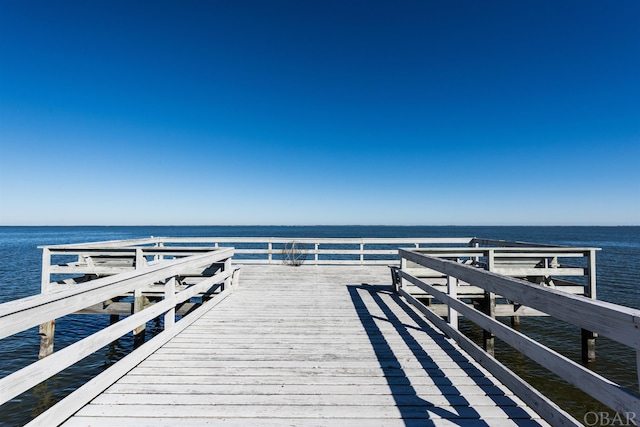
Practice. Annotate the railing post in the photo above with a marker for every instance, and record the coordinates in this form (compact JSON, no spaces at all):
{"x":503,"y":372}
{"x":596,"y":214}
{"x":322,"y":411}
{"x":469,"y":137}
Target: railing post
{"x":169,"y":294}
{"x":452,"y":290}
{"x":270,"y":250}
{"x":227,"y":267}
{"x":490,"y":259}
{"x":159,"y":244}
{"x":235,"y":279}
{"x":316,"y":247}
{"x":403,"y":266}
{"x":588,"y":338}
{"x":361,"y":253}
{"x":46,"y":330}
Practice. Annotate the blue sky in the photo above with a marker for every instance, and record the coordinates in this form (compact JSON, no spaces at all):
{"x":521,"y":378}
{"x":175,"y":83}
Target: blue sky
{"x":331,"y":112}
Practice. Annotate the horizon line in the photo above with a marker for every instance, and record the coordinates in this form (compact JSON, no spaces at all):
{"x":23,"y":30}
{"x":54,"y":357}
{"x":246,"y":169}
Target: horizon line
{"x":319,"y":225}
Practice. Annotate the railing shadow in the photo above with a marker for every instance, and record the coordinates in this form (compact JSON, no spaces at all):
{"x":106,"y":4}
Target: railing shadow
{"x":414,"y":408}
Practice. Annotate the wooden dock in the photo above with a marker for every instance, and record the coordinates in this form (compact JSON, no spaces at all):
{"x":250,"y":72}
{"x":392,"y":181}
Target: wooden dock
{"x":251,"y":337}
{"x":308,"y":346}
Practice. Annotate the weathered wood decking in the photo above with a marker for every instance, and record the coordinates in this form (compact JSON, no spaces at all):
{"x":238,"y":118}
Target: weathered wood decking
{"x":308,"y":346}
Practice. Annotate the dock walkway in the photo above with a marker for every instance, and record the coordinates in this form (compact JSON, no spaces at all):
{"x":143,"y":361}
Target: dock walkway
{"x":308,"y":346}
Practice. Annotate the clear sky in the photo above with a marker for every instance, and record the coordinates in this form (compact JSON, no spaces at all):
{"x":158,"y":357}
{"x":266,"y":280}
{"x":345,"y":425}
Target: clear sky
{"x":320,"y":112}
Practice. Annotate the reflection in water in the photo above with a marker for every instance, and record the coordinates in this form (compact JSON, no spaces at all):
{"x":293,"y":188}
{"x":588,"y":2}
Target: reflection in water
{"x":44,"y":398}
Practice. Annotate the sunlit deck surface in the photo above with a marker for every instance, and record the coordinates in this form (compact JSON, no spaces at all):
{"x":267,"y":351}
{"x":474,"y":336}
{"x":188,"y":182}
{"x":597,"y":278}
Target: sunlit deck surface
{"x":309,"y":345}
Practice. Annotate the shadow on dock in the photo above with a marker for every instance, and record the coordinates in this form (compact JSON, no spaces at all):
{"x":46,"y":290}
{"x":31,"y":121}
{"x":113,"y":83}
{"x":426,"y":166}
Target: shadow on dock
{"x":411,"y":406}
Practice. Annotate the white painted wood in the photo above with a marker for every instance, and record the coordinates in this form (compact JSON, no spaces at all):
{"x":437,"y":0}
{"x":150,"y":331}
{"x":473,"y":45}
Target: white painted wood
{"x":591,"y":289}
{"x":22,"y":380}
{"x":523,"y":272}
{"x":309,"y":345}
{"x":506,"y":243}
{"x":104,"y":244}
{"x":550,"y":411}
{"x":46,"y":270}
{"x":614,"y":321}
{"x":602,"y":389}
{"x":321,"y":251}
{"x":74,"y":401}
{"x":258,"y":412}
{"x":452,"y":291}
{"x":298,"y":422}
{"x":304,"y":292}
{"x":324,"y":399}
{"x":597,"y":386}
{"x":169,"y":297}
{"x":19,"y":315}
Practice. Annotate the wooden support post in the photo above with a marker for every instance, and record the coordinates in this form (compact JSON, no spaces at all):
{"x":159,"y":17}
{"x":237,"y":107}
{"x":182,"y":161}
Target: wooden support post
{"x":138,"y":305}
{"x":46,"y":330}
{"x":515,"y":320}
{"x":452,"y":290}
{"x":489,"y":306}
{"x":138,"y":298}
{"x":169,"y":294}
{"x":588,"y":338}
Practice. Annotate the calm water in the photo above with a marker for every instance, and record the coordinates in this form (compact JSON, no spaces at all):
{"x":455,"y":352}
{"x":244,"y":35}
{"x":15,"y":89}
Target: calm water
{"x":618,"y":282}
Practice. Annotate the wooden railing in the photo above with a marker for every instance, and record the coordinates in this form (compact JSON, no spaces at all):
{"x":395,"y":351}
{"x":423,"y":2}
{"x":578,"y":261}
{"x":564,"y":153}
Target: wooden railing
{"x":464,"y":268}
{"x":213,"y":268}
{"x":524,"y":278}
{"x":544,"y":265}
{"x":247,"y":250}
{"x":318,"y":251}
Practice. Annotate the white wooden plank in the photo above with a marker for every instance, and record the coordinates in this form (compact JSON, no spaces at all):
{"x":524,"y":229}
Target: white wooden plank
{"x":304,"y":377}
{"x":286,"y":421}
{"x":459,"y":413}
{"x":434,"y":399}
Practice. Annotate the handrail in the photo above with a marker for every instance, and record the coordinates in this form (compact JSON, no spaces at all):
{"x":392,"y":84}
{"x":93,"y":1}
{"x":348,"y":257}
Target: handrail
{"x":613,"y":321}
{"x":547,"y":263}
{"x":22,"y":314}
{"x":269,"y":250}
{"x":507,"y":243}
